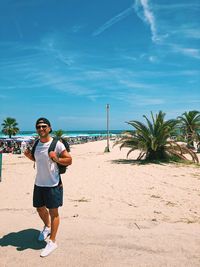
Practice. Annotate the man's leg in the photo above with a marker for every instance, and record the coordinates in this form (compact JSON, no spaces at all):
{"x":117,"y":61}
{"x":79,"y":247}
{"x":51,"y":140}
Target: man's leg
{"x":38,"y":202}
{"x":51,"y":245}
{"x":55,"y":220}
{"x":44,"y":215}
{"x":53,"y":201}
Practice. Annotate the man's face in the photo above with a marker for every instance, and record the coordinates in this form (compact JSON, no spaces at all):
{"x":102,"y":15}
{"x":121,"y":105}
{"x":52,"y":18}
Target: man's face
{"x":43,"y":129}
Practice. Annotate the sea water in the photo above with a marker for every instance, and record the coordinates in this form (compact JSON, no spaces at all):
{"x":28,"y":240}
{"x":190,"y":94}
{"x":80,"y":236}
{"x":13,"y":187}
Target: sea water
{"x":88,"y":133}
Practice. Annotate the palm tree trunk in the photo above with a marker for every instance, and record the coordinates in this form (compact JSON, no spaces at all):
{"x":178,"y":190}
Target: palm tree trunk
{"x":156,"y":155}
{"x":190,"y":142}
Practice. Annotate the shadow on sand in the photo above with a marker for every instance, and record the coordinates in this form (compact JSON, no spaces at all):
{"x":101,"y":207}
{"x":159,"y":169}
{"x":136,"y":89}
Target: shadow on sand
{"x":26,"y":239}
{"x":136,"y":162}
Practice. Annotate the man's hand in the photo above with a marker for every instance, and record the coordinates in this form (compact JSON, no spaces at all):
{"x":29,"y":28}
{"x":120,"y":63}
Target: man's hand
{"x":64,"y":159}
{"x":53,"y":156}
{"x":28,"y":154}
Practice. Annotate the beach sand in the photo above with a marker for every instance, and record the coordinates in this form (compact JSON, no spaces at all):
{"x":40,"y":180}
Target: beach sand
{"x":116,"y":212}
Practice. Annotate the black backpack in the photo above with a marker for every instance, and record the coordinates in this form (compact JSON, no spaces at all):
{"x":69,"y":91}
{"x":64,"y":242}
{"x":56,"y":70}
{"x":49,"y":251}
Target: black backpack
{"x":61,"y":168}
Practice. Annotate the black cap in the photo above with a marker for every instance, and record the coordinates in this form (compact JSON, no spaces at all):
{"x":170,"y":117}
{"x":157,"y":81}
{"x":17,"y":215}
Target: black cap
{"x":43,"y":120}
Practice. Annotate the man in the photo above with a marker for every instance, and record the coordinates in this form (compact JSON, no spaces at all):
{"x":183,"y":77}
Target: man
{"x":48,"y":190}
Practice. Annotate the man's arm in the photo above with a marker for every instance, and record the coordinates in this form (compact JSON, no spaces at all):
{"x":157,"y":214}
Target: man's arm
{"x":28,"y":154}
{"x":64,"y":158}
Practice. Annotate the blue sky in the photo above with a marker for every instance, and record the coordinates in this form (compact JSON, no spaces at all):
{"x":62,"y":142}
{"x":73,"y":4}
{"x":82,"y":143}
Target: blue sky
{"x":67,"y":59}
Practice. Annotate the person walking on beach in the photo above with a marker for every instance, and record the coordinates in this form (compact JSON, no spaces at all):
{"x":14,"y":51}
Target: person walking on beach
{"x":48,"y":190}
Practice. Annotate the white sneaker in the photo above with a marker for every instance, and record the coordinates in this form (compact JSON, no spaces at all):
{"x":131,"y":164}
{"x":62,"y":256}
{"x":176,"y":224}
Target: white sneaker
{"x":50,"y":247}
{"x":44,"y":233}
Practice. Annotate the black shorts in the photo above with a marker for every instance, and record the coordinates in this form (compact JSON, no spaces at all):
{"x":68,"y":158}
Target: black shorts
{"x":51,"y":197}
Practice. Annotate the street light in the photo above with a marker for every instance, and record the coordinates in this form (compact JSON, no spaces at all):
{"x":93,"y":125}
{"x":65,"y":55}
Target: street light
{"x":107,"y":149}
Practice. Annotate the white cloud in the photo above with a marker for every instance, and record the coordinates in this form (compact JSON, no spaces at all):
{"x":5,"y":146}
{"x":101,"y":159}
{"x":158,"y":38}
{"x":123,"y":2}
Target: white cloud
{"x":153,"y":59}
{"x":192,"y":33}
{"x":144,"y":101}
{"x":191,"y":52}
{"x":114,"y":20}
{"x":166,"y":21}
{"x":177,"y":6}
{"x":82,"y":119}
{"x":187,"y":31}
{"x":135,"y":85}
{"x":184,"y":31}
{"x":144,"y":12}
{"x":77,"y":28}
{"x":135,"y":99}
{"x":129,"y":57}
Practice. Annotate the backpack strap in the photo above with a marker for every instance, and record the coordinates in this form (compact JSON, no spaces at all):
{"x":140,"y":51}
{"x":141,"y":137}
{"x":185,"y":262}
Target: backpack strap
{"x":53,"y":145}
{"x":52,"y":148}
{"x":66,"y":144}
{"x":34,"y":147}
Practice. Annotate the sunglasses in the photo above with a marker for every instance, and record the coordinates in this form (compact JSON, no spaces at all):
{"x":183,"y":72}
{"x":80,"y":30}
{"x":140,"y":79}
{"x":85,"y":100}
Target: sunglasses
{"x":41,"y":126}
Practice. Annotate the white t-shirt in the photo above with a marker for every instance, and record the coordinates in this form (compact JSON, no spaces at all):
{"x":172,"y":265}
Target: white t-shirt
{"x":47,"y":170}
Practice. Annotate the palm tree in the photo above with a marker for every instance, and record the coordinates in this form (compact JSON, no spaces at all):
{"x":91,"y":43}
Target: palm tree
{"x":58,"y":133}
{"x":10,"y":127}
{"x":153,"y":139}
{"x":190,"y":125}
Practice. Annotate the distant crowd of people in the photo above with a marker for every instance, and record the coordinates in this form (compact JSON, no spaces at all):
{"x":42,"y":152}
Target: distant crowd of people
{"x":18,"y":147}
{"x":14,"y":147}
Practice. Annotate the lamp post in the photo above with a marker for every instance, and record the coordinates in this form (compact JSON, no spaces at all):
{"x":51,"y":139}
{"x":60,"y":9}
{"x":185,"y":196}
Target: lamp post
{"x":107,"y":149}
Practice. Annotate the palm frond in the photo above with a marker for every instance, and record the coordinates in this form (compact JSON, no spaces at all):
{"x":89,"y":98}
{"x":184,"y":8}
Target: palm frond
{"x":153,"y":139}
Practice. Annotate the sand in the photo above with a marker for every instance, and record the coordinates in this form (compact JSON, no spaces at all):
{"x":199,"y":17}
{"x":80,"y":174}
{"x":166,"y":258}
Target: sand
{"x":116,"y":212}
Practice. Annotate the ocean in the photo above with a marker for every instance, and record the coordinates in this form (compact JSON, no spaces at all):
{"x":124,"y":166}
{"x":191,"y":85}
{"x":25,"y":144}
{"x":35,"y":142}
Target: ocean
{"x":90,"y":133}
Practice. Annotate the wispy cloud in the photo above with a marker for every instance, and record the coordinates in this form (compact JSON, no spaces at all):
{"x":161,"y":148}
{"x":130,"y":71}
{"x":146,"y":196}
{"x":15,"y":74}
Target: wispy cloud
{"x":143,"y":101}
{"x":167,"y":20}
{"x":52,"y":45}
{"x":191,"y":52}
{"x":77,"y":28}
{"x":144,"y":12}
{"x":192,"y":33}
{"x":186,"y":31}
{"x":138,"y":99}
{"x":114,"y":20}
{"x":82,"y":119}
{"x":177,"y":6}
{"x":153,"y":59}
{"x":127,"y":57}
{"x":135,"y":85}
